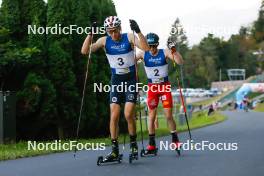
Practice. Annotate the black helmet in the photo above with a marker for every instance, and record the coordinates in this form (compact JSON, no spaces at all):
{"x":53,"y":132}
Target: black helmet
{"x":152,"y":39}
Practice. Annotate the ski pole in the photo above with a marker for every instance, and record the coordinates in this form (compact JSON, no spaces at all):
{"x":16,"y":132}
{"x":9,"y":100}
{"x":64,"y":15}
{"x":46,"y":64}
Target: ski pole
{"x":124,"y":140}
{"x":83,"y":93}
{"x":184,"y":107}
{"x":137,"y":77}
{"x":146,"y":114}
{"x":181,"y":95}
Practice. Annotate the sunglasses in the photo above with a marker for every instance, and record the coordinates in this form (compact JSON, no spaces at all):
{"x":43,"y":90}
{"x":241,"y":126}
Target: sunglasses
{"x":111,"y":31}
{"x":153,"y":46}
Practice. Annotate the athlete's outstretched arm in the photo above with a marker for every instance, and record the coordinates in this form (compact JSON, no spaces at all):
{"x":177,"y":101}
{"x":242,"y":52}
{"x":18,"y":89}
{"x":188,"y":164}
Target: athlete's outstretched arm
{"x":95,"y":46}
{"x":174,"y":55}
{"x":141,"y":43}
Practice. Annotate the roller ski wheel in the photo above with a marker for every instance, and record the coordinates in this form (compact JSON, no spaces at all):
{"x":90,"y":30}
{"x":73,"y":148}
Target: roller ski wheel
{"x":101,"y":160}
{"x":151,"y":150}
{"x":142,"y":152}
{"x":132,"y":157}
{"x":178,"y":151}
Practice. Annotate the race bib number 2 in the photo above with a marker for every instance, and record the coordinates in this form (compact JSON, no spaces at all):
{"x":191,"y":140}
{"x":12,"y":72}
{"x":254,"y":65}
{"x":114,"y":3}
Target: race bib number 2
{"x":156,"y":72}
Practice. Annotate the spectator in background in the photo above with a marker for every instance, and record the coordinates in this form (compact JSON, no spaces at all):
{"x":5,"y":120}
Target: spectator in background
{"x":210,"y":110}
{"x":235,"y":106}
{"x":245,"y":103}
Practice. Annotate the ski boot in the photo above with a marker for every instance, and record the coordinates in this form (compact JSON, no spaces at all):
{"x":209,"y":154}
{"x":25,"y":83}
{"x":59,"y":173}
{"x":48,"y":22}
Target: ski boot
{"x":133,"y":155}
{"x":177,"y":147}
{"x":113,"y":156}
{"x":151,"y":150}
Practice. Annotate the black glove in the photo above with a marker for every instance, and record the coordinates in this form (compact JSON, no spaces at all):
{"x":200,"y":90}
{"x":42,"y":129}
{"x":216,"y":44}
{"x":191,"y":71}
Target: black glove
{"x":171,"y":45}
{"x":134,"y":26}
{"x":93,"y":28}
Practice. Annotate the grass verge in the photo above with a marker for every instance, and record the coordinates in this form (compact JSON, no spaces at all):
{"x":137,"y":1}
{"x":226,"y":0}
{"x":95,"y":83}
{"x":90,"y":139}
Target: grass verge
{"x":260,"y":107}
{"x":199,"y":119}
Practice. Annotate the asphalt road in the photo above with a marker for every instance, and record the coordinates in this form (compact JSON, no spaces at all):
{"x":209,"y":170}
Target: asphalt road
{"x":245,"y":129}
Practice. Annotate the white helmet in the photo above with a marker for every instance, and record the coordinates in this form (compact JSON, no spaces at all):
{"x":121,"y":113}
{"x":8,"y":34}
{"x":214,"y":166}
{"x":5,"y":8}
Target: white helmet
{"x":112,"y":22}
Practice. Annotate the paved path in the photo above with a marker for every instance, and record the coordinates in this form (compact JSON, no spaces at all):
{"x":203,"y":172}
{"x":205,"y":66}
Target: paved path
{"x":247,"y":129}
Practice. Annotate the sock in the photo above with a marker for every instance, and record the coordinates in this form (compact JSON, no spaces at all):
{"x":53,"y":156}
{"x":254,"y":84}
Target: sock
{"x":174,"y":136}
{"x":152,"y":139}
{"x":114,"y":144}
{"x":133,"y":140}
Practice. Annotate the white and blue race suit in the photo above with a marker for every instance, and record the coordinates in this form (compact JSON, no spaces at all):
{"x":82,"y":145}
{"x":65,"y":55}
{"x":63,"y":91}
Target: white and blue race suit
{"x":120,"y":56}
{"x":156,"y":67}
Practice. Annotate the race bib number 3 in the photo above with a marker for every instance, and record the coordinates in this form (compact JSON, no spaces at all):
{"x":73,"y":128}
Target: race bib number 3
{"x":120,"y":61}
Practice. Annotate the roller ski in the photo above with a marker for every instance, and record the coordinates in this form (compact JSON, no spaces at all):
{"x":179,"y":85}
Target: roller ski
{"x":110,"y":158}
{"x":178,"y":147}
{"x":176,"y":142}
{"x":151,"y":150}
{"x":133,"y":155}
{"x":113,"y":156}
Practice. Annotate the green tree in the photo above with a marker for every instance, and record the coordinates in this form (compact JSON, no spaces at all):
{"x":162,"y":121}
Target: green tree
{"x":258,"y":35}
{"x":195,"y":68}
{"x":49,"y":69}
{"x":60,"y":66}
{"x":10,"y":18}
{"x":178,"y":36}
{"x":258,"y":27}
{"x":96,"y":107}
{"x":37,"y":108}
